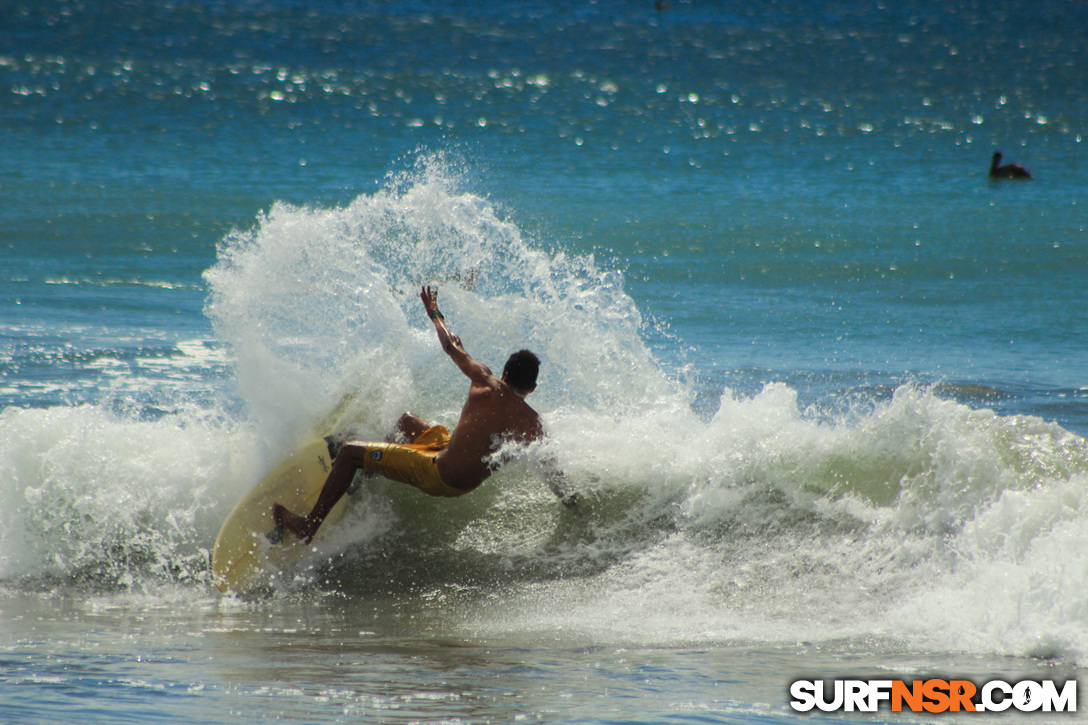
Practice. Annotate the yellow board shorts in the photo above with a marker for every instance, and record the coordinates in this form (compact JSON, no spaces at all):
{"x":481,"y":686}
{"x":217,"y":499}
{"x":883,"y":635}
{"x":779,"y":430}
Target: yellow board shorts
{"x":413,"y":463}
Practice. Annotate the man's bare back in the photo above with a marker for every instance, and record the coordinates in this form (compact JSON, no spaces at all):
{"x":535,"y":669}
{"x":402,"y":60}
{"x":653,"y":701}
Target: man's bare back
{"x":494,"y":413}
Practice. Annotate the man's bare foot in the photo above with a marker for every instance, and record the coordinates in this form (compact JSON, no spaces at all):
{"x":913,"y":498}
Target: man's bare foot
{"x":300,"y":526}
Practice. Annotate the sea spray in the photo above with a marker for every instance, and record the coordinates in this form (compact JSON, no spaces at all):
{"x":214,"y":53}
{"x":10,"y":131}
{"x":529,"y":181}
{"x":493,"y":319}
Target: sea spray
{"x":913,"y":518}
{"x":319,"y":304}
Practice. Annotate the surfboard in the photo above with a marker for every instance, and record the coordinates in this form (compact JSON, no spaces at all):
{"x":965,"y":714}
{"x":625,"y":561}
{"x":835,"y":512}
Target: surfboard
{"x":245,"y":557}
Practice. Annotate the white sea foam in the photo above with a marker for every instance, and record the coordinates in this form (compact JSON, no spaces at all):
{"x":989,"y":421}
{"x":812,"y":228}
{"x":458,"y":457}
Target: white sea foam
{"x":90,"y":496}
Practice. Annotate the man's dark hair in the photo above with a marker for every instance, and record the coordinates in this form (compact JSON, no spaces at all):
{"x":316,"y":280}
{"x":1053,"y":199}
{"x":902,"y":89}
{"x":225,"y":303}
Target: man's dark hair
{"x":521,"y":370}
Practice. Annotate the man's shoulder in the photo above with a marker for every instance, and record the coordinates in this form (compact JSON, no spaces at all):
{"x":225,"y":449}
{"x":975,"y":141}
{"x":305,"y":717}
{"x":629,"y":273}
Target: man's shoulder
{"x":487,"y":386}
{"x":500,"y":395}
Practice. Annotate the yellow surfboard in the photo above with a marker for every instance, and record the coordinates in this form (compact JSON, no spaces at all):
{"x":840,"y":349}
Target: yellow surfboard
{"x":244,"y":557}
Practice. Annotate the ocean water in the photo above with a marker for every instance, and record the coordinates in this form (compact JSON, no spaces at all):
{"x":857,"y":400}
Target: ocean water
{"x":822,"y":386}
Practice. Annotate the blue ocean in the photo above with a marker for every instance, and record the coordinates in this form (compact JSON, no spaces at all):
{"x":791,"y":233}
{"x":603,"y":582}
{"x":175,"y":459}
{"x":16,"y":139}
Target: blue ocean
{"x":820,"y":383}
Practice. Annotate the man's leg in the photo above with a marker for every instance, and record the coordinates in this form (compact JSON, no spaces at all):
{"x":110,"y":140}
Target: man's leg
{"x":410,"y":426}
{"x":348,"y":461}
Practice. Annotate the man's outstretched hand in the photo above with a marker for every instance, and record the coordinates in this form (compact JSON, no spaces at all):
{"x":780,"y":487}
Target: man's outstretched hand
{"x":429,"y":295}
{"x":450,"y":342}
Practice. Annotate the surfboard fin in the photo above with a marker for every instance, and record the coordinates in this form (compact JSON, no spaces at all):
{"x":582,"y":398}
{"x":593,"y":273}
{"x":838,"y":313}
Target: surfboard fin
{"x":334,"y":443}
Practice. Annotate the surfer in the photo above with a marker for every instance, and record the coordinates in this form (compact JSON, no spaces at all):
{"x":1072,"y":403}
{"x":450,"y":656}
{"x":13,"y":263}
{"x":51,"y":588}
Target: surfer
{"x":434,"y":460}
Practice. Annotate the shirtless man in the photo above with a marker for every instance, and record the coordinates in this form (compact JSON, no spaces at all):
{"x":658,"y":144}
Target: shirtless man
{"x":435,"y":461}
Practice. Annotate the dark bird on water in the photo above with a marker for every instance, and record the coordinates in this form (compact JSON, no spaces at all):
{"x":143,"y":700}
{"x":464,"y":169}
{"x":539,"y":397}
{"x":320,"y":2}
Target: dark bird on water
{"x":1008,"y":171}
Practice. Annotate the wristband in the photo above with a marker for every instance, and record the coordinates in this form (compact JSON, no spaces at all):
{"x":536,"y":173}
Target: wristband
{"x":436,"y":315}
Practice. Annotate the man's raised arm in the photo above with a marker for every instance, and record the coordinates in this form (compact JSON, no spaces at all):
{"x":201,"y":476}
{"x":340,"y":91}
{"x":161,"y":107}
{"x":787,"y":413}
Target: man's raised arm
{"x":451,"y":343}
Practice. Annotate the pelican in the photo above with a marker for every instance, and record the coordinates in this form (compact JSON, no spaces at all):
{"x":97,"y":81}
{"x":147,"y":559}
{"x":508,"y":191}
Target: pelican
{"x":1008,"y":171}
